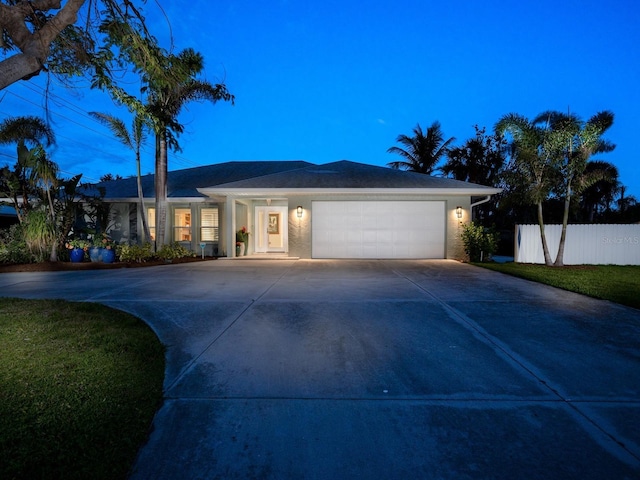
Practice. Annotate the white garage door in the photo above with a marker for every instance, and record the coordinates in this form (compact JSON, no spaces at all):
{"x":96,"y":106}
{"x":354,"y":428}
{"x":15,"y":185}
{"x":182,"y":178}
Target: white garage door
{"x":399,"y":229}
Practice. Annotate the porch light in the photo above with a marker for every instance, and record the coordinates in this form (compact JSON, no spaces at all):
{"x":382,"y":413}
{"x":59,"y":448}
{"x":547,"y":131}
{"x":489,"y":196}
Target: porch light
{"x":299,"y":211}
{"x":459,"y":212}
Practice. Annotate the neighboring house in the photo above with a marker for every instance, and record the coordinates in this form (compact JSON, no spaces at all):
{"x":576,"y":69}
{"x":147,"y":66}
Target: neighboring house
{"x":337,"y":210}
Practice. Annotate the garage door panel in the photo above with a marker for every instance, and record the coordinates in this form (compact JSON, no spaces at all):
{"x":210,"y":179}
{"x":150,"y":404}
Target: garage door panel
{"x":369,"y":236}
{"x":354,"y":236}
{"x":393,"y":229}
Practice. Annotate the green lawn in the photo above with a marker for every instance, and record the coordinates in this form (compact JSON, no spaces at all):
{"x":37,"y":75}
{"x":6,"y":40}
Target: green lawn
{"x":79,"y":385}
{"x":620,"y":284}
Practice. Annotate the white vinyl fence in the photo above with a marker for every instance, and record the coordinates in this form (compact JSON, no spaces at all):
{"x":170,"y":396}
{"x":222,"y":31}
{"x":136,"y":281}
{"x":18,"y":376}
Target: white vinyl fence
{"x":585,"y":244}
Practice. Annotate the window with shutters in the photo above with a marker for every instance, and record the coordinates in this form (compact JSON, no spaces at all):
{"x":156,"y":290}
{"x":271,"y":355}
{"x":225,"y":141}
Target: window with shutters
{"x":209,"y":225}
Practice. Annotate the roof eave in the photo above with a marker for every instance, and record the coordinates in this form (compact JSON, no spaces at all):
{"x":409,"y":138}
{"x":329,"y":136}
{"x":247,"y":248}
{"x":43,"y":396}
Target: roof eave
{"x":252,"y":192}
{"x":153,"y":199}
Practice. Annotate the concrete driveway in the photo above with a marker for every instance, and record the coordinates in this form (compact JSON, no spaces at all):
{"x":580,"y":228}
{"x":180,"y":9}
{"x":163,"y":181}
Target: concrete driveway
{"x":375,"y":369}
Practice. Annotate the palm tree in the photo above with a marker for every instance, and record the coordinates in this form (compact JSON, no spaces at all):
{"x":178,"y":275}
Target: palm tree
{"x":169,"y":82}
{"x":133,"y":140}
{"x":625,"y":202}
{"x":570,"y":144}
{"x":530,"y":167}
{"x":479,"y":160}
{"x":167,"y":94}
{"x":18,"y":184}
{"x":550,"y":153}
{"x":600,"y":195}
{"x":34,"y":171}
{"x":421,"y":152}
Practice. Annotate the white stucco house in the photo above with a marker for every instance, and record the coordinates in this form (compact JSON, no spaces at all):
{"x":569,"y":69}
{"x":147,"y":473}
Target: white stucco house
{"x":298,"y":209}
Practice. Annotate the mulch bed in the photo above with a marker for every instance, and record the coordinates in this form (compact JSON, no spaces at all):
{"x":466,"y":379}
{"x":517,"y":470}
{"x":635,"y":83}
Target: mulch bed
{"x":69,"y":266}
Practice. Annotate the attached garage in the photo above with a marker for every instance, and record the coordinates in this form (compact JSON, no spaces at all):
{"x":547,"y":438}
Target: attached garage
{"x":347,"y":210}
{"x":378,"y":229}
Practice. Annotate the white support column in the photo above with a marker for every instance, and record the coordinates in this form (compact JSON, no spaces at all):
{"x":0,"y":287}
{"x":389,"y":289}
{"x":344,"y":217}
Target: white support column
{"x":230,"y":226}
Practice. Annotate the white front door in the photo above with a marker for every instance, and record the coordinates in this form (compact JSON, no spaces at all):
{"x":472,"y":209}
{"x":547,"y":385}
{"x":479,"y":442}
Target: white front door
{"x":272,"y":230}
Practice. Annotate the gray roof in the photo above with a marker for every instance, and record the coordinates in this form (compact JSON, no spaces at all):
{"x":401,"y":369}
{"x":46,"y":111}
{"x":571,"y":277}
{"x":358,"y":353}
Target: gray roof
{"x":185,"y":183}
{"x":347,"y":175}
{"x":297,"y":175}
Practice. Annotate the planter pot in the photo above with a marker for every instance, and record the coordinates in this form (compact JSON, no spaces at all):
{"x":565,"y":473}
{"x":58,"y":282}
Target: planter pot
{"x":240,"y":249}
{"x":76,"y":255}
{"x":95,"y":254}
{"x":108,"y":255}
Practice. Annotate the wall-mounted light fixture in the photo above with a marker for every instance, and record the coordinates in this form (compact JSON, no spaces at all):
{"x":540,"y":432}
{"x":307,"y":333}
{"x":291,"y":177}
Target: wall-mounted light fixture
{"x":299,"y":211}
{"x":459,"y":212}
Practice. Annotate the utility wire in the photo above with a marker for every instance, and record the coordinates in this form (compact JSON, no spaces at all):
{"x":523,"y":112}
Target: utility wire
{"x":179,"y":159}
{"x":60,"y":101}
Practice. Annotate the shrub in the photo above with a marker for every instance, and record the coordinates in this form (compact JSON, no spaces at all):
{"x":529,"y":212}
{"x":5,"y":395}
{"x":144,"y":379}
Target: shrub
{"x":38,"y":234}
{"x":13,"y":248}
{"x":135,"y":253}
{"x":174,"y":250}
{"x":480,"y":243}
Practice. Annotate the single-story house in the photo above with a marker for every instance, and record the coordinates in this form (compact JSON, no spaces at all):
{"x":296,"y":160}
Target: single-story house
{"x":295,"y":208}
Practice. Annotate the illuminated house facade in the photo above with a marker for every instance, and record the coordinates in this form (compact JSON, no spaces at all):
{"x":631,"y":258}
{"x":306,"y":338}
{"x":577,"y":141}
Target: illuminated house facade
{"x":297,"y":209}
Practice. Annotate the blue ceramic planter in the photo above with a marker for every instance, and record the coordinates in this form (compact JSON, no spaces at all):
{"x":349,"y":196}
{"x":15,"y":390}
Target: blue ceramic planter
{"x":76,"y":255}
{"x":95,"y":254}
{"x":108,"y":255}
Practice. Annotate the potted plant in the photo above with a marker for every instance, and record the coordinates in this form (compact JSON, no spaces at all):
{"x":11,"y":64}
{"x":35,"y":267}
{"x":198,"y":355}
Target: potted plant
{"x":242,"y":238}
{"x":77,"y":249}
{"x":102,"y":249}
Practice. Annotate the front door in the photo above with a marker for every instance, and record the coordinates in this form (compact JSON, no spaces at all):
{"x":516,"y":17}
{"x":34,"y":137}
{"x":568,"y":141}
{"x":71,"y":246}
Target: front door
{"x":272,"y":230}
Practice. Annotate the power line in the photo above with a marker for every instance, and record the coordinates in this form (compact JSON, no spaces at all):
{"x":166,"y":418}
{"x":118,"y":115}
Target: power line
{"x":63,"y":102}
{"x":178,"y":158}
{"x":39,"y":90}
{"x":60,"y":115}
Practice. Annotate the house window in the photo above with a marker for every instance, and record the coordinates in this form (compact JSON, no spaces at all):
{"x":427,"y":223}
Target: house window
{"x":182,"y":224}
{"x":209,"y":225}
{"x":151,"y":222}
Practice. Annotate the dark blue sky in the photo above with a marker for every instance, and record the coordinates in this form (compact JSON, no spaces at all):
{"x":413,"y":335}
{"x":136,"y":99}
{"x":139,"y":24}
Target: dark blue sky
{"x":332,"y":80}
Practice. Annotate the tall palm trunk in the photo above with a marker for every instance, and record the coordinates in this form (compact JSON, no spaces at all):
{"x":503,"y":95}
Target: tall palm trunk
{"x":563,"y":236}
{"x":543,"y":237}
{"x":143,"y":213}
{"x":134,"y":141}
{"x":161,"y":187}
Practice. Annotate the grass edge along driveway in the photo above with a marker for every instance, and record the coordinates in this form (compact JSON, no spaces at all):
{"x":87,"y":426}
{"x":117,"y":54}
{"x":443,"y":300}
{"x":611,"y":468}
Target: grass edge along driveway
{"x":617,"y":283}
{"x":79,"y":386}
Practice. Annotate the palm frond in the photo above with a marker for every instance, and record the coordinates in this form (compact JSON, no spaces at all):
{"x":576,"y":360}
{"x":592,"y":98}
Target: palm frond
{"x":31,"y":129}
{"x":423,"y":150}
{"x":116,"y":126}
